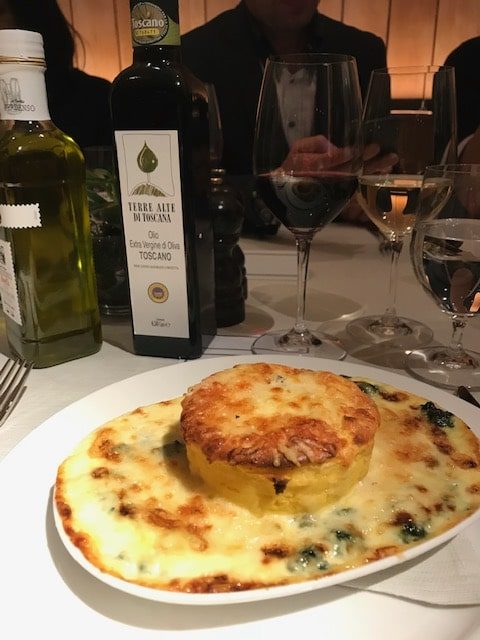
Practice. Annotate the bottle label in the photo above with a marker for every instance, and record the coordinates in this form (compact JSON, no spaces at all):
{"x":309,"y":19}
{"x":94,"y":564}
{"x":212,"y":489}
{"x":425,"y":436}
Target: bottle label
{"x":8,"y":284}
{"x":155,"y":23}
{"x":20,"y":216}
{"x":22,"y":93}
{"x":150,"y":188}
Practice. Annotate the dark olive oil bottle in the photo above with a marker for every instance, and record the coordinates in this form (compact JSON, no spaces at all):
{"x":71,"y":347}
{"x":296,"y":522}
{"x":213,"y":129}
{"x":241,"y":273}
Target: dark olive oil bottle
{"x":47,"y":278}
{"x":160,"y":118}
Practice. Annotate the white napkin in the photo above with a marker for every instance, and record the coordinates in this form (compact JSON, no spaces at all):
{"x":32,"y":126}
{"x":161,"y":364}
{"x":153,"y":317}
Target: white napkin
{"x":449,"y":576}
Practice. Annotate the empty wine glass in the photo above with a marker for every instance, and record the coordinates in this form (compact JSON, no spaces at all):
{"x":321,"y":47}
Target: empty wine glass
{"x":307,"y":156}
{"x":445,"y":251}
{"x":402,"y":136}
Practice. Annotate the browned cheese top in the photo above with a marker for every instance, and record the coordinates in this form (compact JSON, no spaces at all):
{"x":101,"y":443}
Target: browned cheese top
{"x":270,"y":415}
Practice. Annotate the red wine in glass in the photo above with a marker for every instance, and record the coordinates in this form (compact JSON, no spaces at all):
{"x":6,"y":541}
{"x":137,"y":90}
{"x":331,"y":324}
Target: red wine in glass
{"x":306,"y":203}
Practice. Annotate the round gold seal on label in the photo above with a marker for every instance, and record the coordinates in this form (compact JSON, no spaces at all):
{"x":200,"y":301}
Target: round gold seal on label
{"x":157,"y":292}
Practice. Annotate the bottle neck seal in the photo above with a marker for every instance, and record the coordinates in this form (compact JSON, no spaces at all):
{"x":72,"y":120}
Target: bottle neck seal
{"x":23,"y":93}
{"x":155,"y":23}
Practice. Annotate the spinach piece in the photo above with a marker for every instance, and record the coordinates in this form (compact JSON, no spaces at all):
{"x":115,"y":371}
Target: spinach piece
{"x":306,"y":520}
{"x":343,"y":541}
{"x":367,"y":387}
{"x":436,"y":416}
{"x":343,"y":535}
{"x":411,"y":532}
{"x":308,"y":559}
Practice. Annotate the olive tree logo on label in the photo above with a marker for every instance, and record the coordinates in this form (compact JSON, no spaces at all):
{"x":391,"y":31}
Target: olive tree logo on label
{"x":150,"y":23}
{"x":12,"y":97}
{"x":158,"y":292}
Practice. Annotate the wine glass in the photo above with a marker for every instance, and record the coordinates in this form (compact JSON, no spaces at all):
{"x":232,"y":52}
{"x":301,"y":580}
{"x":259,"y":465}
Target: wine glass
{"x":445,"y":252}
{"x":401,"y":138}
{"x":307,"y":157}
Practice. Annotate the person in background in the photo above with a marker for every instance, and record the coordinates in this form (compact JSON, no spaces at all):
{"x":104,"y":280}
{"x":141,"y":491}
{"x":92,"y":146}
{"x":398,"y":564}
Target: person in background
{"x":465,"y":59}
{"x":79,"y":103}
{"x":230,"y":52}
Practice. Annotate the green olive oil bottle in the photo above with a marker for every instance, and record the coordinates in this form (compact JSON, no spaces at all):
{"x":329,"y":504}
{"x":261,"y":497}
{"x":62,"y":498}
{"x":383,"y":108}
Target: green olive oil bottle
{"x":160,"y":117}
{"x":47,"y":280}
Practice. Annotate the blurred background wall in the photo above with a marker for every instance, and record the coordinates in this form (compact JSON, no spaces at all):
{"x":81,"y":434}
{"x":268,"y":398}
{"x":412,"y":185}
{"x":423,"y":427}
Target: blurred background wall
{"x":416,"y":32}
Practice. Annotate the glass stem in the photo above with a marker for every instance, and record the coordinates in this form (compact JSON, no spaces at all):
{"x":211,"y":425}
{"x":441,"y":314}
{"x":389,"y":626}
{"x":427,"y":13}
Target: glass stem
{"x":303,"y":254}
{"x":389,"y":318}
{"x":456,"y":341}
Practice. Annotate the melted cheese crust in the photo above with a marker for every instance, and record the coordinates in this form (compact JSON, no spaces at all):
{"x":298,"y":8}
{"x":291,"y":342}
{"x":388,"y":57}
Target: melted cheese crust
{"x":273,"y":416}
{"x":128,"y":501}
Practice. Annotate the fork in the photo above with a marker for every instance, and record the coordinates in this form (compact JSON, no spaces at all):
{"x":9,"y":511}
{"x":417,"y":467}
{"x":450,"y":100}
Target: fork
{"x":12,"y":385}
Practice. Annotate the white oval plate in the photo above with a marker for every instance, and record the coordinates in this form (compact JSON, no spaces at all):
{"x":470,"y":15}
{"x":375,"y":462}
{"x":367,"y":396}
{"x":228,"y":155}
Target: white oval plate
{"x":166,"y":383}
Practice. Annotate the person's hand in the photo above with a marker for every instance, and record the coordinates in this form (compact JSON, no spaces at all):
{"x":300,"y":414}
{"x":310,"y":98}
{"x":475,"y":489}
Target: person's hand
{"x":376,"y":163}
{"x":475,"y":306}
{"x":461,"y":284}
{"x":354,"y":214}
{"x":373,"y":163}
{"x":316,"y":154}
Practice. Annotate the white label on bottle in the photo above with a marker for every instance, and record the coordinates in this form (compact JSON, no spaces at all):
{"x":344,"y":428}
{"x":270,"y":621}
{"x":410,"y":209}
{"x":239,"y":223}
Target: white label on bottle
{"x":149,"y":175}
{"x":20,"y":216}
{"x":22,"y":93}
{"x":8,"y":284}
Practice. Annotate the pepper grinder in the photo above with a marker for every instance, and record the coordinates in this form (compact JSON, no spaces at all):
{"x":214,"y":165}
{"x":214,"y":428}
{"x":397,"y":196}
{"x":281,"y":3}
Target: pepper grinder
{"x":230,"y":277}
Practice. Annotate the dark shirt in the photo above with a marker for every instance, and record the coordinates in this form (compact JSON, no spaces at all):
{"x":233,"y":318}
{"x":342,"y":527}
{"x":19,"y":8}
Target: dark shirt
{"x":79,"y":106}
{"x":229,"y":52}
{"x":466,"y":59}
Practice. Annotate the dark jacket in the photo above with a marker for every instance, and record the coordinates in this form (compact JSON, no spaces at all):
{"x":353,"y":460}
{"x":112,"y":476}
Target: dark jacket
{"x":228,"y":52}
{"x":465,"y":59}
